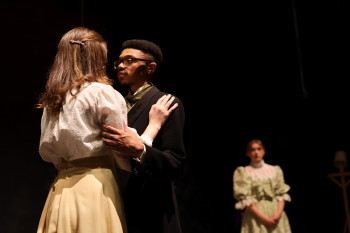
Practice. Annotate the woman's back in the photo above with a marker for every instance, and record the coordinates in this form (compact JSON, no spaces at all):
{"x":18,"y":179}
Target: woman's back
{"x":76,"y":132}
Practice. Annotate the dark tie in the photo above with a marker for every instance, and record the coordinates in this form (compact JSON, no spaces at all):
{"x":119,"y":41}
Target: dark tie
{"x":131,"y":99}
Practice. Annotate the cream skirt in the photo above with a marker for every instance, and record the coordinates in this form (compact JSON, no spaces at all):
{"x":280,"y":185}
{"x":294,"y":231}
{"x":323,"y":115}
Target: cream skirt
{"x":83,"y":200}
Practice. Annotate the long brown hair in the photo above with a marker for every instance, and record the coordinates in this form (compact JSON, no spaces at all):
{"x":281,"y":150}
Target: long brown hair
{"x":81,"y":57}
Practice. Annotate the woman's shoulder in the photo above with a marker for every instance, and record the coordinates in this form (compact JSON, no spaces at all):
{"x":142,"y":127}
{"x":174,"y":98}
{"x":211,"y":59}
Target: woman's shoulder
{"x":93,"y":92}
{"x":96,"y":88}
{"x":278,"y":169}
{"x":239,"y":170}
{"x":240,"y":174}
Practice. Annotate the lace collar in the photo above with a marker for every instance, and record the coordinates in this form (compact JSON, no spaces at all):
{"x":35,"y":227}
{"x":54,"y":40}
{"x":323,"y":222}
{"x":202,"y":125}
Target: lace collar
{"x":260,"y":171}
{"x":257,"y":164}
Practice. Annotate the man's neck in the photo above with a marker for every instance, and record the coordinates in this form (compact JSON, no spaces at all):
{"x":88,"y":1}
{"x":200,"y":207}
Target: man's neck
{"x":134,"y":88}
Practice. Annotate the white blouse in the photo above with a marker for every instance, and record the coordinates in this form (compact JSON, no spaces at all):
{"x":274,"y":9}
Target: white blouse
{"x":76,"y":132}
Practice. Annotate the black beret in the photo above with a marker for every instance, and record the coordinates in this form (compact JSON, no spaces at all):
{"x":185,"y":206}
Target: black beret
{"x":145,"y":46}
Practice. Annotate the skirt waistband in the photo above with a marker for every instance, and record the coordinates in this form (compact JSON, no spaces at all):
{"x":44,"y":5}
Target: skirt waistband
{"x":89,"y":162}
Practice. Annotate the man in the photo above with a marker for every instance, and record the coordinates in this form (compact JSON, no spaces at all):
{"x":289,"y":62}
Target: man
{"x":150,"y":200}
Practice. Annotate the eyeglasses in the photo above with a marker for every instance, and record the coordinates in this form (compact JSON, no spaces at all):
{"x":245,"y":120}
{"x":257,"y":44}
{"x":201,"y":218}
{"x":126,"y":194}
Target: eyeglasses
{"x":127,"y":61}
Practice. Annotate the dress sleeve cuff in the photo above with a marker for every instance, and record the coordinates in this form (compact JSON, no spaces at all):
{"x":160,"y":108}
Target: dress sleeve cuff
{"x":284,"y":197}
{"x":245,"y":202}
{"x":146,"y":140}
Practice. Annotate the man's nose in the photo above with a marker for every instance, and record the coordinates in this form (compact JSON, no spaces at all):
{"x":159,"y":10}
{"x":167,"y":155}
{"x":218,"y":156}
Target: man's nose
{"x":121,"y":66}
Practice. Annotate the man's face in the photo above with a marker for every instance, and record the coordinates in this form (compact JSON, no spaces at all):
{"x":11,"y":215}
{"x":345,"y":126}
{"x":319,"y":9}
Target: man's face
{"x":132,"y":72}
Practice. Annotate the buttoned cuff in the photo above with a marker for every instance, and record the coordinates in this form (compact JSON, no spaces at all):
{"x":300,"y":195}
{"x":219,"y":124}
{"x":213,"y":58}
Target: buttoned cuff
{"x":142,"y":155}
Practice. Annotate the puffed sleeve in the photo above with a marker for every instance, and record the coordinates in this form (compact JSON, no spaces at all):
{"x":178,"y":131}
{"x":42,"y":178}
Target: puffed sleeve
{"x":111,"y":110}
{"x":281,"y":188}
{"x":111,"y":107}
{"x":242,"y":189}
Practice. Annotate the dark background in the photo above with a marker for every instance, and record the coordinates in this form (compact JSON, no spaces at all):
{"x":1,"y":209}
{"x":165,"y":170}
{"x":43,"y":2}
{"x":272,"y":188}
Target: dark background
{"x":235,"y":65}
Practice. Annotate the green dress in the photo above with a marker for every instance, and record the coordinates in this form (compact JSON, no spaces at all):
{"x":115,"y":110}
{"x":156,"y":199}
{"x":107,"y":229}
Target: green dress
{"x":263,"y":185}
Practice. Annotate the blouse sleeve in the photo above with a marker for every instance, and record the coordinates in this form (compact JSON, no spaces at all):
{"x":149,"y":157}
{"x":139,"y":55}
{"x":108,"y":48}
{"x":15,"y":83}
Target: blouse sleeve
{"x":242,"y":189}
{"x":281,"y":187}
{"x":111,"y":110}
{"x":111,"y":107}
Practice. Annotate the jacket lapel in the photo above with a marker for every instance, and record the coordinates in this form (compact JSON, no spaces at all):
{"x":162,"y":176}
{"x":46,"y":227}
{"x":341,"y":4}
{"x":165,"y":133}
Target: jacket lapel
{"x":141,"y":105}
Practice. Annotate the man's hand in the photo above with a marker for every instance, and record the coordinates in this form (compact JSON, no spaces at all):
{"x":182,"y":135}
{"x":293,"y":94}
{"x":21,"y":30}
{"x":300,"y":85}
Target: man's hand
{"x":122,"y":141}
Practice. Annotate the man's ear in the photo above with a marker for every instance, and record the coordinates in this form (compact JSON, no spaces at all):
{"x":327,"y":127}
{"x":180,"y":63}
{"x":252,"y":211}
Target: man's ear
{"x":151,"y":68}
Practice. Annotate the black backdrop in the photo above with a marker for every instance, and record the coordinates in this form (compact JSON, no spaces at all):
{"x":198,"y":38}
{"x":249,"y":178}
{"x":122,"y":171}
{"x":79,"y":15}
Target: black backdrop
{"x":235,"y":67}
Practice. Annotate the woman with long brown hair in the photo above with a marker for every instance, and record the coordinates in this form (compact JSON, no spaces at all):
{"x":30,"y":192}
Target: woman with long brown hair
{"x":85,"y":196}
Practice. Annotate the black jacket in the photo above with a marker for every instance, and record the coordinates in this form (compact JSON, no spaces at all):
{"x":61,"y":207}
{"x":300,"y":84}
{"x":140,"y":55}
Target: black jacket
{"x":150,"y":200}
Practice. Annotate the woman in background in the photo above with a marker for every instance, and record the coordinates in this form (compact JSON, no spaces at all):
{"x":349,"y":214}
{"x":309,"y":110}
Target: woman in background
{"x":259,"y":188}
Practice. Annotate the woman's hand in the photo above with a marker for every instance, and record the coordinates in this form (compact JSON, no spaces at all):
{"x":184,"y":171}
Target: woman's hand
{"x":158,"y":115}
{"x":160,"y":111}
{"x":277,"y":216}
{"x":268,"y":222}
